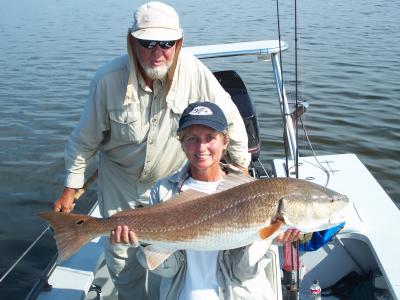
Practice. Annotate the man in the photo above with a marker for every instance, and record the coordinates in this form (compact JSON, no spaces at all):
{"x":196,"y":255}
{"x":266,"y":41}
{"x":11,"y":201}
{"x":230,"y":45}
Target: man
{"x":130,"y":119}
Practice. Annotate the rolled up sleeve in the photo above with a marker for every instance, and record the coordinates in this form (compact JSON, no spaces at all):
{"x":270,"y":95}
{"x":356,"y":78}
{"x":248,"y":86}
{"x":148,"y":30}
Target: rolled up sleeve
{"x":247,"y":262}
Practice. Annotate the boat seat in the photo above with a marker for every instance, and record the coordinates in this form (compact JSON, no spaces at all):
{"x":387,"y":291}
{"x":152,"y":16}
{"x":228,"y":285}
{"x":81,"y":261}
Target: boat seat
{"x":234,"y":85}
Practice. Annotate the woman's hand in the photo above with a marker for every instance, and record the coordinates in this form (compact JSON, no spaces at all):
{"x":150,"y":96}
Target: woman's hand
{"x":289,"y":235}
{"x":122,"y":234}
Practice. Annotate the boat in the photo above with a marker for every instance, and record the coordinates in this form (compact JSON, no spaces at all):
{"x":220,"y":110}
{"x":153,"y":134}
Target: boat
{"x":362,"y":249}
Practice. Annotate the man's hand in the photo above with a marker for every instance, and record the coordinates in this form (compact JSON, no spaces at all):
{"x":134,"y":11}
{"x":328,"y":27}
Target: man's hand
{"x":122,"y":234}
{"x":65,"y":203}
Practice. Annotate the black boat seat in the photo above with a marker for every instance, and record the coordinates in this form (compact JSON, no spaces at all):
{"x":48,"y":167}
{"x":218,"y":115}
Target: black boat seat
{"x":234,"y":85}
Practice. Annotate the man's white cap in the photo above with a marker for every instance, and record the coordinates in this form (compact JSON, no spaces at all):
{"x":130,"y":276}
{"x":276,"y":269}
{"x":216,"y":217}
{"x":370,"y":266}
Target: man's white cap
{"x":156,"y":21}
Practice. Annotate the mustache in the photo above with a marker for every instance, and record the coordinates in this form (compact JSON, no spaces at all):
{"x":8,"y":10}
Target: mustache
{"x":158,"y":72}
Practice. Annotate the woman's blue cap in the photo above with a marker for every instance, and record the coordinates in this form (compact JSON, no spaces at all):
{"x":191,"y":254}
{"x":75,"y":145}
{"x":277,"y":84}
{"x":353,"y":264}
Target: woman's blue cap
{"x":203,"y":113}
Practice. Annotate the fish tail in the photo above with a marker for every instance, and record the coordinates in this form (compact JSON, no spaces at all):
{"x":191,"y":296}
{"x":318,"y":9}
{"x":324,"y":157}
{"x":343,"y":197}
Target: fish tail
{"x":69,"y":232}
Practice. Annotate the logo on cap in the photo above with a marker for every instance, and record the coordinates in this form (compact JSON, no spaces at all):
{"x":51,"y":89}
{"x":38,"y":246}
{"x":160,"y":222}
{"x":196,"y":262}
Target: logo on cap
{"x":201,"y":111}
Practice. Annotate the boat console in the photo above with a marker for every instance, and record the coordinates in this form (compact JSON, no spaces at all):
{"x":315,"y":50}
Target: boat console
{"x":234,"y":85}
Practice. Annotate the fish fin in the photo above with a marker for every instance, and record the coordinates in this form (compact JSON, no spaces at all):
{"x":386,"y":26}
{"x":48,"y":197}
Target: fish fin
{"x":69,"y":232}
{"x":270,"y":230}
{"x":231,"y":180}
{"x":155,"y":256}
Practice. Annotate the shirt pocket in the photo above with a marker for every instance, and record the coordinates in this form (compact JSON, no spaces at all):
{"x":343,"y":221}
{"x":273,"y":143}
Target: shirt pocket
{"x":125,"y":124}
{"x":175,"y":114}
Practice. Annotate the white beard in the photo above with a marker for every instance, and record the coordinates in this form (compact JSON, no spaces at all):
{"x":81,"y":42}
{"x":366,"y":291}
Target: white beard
{"x":157,"y":72}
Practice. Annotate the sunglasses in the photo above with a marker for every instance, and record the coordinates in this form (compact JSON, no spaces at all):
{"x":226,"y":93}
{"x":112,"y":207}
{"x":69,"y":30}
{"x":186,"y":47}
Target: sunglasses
{"x":151,"y":44}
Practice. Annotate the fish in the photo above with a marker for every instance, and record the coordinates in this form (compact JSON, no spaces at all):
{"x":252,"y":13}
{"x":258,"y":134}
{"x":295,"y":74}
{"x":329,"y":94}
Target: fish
{"x":239,"y":213}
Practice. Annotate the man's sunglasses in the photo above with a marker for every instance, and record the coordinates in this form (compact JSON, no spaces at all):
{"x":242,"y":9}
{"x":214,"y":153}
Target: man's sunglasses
{"x":151,"y":44}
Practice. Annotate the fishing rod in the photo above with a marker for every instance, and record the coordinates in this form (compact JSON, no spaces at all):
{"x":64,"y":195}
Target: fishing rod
{"x":294,"y":284}
{"x":78,"y":194}
{"x":283,"y":108}
{"x":296,"y":157}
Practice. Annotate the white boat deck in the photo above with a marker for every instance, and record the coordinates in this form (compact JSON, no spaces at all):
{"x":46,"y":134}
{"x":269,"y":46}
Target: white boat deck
{"x":347,"y":175}
{"x":73,"y":278}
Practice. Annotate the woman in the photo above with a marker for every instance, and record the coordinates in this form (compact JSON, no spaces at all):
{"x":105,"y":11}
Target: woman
{"x":228,"y":274}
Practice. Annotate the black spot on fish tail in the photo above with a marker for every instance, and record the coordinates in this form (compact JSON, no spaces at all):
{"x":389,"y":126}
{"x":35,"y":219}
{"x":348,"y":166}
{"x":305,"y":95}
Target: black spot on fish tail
{"x":69,"y":232}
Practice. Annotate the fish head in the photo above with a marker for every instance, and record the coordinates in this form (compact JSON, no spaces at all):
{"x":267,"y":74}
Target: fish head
{"x":310,"y":207}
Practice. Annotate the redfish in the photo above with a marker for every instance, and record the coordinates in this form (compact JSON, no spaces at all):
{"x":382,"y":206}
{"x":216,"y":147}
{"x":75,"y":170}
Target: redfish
{"x":230,"y":218}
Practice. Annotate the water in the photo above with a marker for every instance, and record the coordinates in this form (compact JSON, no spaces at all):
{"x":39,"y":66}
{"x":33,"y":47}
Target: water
{"x":349,"y":67}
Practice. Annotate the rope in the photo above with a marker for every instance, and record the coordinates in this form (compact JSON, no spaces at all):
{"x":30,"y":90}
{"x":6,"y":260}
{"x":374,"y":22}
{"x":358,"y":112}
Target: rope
{"x":328,"y":175}
{"x":23,"y":254}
